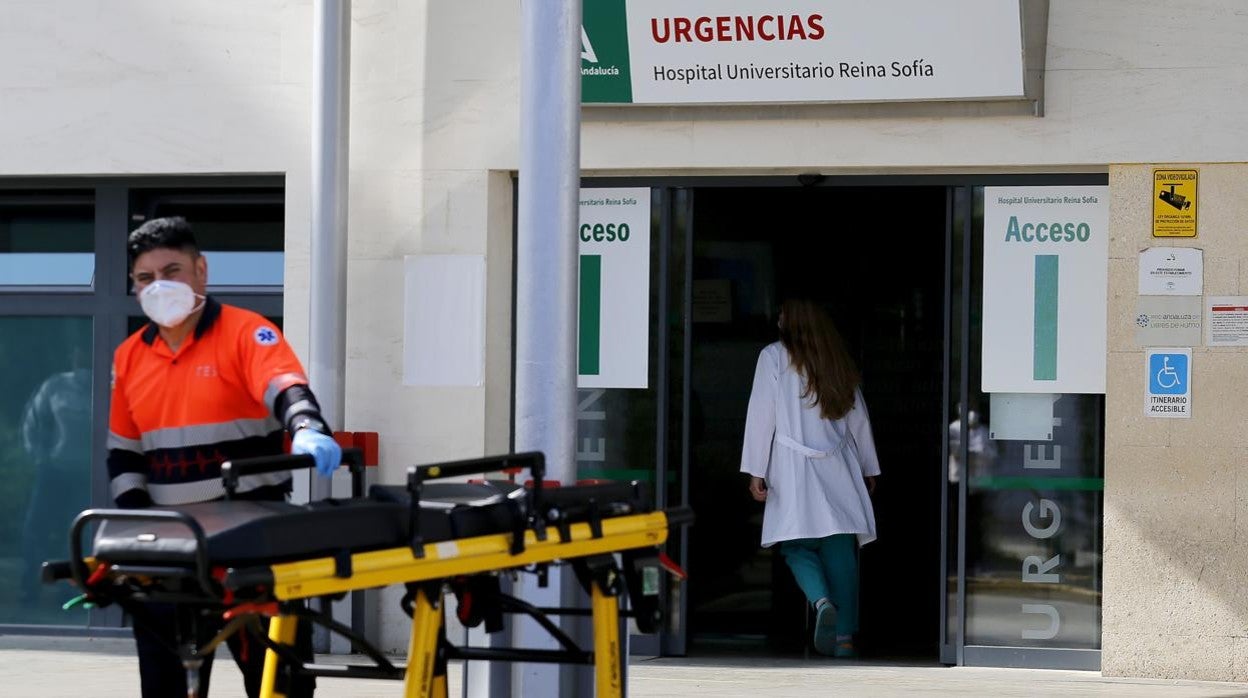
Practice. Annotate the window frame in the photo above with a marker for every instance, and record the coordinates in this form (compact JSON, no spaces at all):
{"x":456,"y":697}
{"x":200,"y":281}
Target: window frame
{"x":52,"y":196}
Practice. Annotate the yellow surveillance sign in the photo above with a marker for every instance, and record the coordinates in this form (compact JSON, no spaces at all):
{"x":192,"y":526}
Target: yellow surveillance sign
{"x":1174,"y":203}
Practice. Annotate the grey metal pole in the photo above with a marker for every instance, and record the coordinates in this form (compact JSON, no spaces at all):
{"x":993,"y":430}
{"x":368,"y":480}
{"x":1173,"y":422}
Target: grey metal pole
{"x":327,"y":351}
{"x":328,"y":280}
{"x":546,"y":264}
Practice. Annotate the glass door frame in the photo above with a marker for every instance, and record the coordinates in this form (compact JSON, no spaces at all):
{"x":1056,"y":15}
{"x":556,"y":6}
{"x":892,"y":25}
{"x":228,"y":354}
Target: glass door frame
{"x":960,"y":257}
{"x":676,"y":292}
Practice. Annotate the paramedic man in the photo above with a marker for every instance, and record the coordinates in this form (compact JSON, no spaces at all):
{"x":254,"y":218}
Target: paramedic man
{"x":201,"y":383}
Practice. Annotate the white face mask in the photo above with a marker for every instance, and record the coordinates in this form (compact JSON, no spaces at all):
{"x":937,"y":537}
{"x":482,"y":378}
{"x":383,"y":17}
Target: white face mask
{"x":168,"y":303}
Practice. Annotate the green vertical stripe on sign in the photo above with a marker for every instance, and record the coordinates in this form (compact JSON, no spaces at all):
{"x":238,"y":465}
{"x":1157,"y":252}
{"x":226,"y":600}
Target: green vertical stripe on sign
{"x":591,"y":315}
{"x":1044,"y":357}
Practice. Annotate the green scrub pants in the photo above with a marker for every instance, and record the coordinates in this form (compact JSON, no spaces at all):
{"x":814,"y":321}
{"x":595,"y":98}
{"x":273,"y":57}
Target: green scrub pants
{"x":828,"y":567}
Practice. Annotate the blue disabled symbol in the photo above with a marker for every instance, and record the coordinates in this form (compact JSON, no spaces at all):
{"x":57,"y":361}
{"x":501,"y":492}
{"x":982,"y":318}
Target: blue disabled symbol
{"x":1167,"y":374}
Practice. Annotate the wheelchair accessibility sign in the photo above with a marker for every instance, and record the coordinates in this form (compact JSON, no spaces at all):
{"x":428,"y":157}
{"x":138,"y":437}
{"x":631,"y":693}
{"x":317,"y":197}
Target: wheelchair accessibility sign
{"x":1169,"y":383}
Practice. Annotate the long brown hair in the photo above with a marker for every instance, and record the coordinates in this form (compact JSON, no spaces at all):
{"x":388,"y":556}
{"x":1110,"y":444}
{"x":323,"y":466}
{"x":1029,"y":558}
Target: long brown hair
{"x":818,"y":353}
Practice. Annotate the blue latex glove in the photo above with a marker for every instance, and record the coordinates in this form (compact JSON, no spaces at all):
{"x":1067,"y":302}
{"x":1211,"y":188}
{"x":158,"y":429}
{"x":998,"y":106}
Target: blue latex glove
{"x":326,"y":451}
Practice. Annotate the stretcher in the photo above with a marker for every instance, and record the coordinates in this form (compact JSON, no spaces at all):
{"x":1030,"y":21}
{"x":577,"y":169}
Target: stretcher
{"x":231,"y":563}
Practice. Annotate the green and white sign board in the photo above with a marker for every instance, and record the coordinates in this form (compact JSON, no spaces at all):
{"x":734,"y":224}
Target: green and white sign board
{"x":789,"y":51}
{"x":613,"y":333}
{"x":1046,"y":269}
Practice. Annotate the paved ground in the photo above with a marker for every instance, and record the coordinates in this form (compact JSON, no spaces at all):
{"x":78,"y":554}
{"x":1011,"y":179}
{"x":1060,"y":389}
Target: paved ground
{"x":37,"y":667}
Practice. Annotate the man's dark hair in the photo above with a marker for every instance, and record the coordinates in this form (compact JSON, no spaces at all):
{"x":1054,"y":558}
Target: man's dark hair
{"x":172,"y":233}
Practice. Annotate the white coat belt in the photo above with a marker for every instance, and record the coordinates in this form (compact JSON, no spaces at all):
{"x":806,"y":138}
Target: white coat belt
{"x":800,"y":448}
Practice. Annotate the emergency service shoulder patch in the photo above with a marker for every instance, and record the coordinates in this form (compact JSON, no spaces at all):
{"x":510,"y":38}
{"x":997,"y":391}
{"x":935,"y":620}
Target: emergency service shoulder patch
{"x":266,"y":336}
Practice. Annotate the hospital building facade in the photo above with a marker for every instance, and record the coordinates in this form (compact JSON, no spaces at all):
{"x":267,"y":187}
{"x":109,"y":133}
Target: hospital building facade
{"x":1025,"y":216}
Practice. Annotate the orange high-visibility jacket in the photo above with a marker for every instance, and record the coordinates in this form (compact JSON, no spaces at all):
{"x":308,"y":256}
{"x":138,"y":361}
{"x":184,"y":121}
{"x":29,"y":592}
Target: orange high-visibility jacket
{"x":176,"y":416}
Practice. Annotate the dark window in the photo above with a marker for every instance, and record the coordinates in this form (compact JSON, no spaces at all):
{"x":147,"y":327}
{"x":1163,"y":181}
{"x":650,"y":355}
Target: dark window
{"x":240,"y":231}
{"x":46,"y":239}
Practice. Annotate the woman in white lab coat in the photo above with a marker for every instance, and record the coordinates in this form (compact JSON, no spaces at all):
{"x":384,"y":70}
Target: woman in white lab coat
{"x":811,"y":457}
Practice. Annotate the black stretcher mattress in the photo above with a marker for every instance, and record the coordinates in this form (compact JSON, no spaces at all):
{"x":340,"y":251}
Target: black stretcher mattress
{"x":250,"y":532}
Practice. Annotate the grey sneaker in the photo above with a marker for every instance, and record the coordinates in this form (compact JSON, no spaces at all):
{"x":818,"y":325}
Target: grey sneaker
{"x":825,"y":630}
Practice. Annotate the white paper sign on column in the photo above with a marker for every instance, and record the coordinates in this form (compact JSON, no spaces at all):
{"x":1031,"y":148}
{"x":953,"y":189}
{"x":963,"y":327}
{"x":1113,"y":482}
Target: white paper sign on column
{"x":444,"y":320}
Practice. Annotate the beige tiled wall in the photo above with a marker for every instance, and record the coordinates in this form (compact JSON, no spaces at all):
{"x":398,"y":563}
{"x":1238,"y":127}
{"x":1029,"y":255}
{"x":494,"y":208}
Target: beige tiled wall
{"x":1176,"y":563}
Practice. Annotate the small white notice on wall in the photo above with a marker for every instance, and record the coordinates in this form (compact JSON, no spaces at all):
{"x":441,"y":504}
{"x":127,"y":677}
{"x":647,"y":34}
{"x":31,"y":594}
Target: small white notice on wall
{"x":444,"y":320}
{"x":1172,"y":271}
{"x":1227,"y":321}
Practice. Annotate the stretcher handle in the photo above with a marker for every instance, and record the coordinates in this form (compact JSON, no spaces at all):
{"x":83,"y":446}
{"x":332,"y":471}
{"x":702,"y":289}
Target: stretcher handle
{"x":535,"y":461}
{"x":233,"y":470}
{"x":78,"y":565}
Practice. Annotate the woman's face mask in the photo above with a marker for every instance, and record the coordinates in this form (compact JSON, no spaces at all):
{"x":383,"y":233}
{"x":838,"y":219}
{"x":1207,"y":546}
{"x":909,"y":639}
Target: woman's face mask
{"x":167,"y":303}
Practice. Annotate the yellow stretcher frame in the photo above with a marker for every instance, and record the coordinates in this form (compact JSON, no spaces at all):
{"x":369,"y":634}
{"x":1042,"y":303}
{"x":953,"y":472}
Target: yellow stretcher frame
{"x":468,"y":556}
